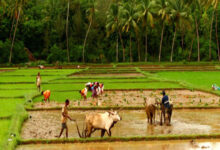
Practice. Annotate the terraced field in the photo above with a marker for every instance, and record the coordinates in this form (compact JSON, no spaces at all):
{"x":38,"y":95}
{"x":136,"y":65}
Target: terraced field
{"x":127,"y":86}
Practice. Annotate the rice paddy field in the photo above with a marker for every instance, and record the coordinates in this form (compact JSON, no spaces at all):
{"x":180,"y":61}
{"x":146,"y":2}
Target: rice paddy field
{"x":126,"y":85}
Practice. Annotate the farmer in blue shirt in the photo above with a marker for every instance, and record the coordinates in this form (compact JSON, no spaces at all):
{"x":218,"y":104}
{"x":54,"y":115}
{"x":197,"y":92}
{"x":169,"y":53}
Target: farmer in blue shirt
{"x":165,"y":100}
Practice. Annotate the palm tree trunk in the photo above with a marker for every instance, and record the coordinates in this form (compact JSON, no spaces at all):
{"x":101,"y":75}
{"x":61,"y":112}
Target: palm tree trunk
{"x":197,"y":32}
{"x":117,"y":49}
{"x":182,"y":40}
{"x":67,"y":37}
{"x":122,"y":45}
{"x":130,"y":50}
{"x":161,"y":42}
{"x":139,"y":53}
{"x":85,"y":40}
{"x":146,"y":47}
{"x":12,"y":44}
{"x":190,"y":53}
{"x":12,"y":27}
{"x":210,"y":38}
{"x":216,"y":34}
{"x":174,"y":37}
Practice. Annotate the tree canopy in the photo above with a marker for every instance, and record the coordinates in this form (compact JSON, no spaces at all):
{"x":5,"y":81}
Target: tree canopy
{"x":109,"y":30}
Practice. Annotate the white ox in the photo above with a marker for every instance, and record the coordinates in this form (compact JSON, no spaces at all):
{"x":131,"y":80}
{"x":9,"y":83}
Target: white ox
{"x":101,"y":121}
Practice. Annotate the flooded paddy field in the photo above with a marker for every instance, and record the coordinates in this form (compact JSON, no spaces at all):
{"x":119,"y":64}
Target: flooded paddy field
{"x":140,"y":145}
{"x":47,"y":124}
{"x":138,"y":97}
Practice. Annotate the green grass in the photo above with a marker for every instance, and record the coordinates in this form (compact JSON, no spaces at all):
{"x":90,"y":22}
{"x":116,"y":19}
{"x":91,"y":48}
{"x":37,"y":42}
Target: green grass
{"x":32,"y":79}
{"x":30,"y":72}
{"x":15,"y":93}
{"x":102,"y":80}
{"x":4,"y":127}
{"x":202,"y":80}
{"x":8,"y":106}
{"x":18,"y":86}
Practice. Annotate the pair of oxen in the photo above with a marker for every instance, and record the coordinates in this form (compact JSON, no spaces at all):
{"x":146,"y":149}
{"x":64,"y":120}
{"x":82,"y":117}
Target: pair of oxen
{"x":105,"y":121}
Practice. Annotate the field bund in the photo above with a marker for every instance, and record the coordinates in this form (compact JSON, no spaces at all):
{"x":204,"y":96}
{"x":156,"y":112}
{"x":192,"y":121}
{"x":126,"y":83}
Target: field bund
{"x":137,"y":145}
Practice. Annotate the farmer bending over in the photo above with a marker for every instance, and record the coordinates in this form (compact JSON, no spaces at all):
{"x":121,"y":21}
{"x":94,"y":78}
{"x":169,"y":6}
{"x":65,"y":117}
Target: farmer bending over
{"x":46,"y":95}
{"x":64,"y":118}
{"x":83,"y":93}
{"x":38,"y":81}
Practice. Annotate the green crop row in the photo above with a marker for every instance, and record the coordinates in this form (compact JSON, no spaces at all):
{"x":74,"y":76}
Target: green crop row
{"x":8,"y":106}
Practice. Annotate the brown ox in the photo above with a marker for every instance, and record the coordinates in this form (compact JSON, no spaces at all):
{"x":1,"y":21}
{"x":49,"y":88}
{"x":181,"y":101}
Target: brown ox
{"x":150,"y":109}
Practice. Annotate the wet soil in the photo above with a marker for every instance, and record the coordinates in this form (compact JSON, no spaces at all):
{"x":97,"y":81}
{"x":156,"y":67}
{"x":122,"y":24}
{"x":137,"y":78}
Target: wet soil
{"x":153,"y":145}
{"x":138,"y":97}
{"x":47,"y":124}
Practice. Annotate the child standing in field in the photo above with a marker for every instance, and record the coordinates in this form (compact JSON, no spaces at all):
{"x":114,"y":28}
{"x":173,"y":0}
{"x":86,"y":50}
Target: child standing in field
{"x":38,"y":81}
{"x":83,"y":93}
{"x":46,"y":95}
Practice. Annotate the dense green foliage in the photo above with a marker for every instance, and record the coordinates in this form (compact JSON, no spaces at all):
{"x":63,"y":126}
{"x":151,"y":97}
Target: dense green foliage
{"x":109,"y":30}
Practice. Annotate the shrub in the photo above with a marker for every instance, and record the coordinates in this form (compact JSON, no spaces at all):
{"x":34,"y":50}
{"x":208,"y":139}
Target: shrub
{"x":56,"y":54}
{"x":18,"y":54}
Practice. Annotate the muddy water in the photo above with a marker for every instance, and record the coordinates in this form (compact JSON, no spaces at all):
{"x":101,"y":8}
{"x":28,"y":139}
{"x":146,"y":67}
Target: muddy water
{"x":46,"y":124}
{"x":153,"y":145}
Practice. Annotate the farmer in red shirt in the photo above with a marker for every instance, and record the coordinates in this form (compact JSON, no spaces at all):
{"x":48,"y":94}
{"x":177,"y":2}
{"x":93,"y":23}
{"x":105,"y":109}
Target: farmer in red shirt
{"x":46,"y":95}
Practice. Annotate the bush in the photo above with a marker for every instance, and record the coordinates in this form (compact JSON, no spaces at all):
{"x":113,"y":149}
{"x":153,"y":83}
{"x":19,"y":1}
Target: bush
{"x":56,"y":54}
{"x":18,"y":54}
{"x":75,"y":52}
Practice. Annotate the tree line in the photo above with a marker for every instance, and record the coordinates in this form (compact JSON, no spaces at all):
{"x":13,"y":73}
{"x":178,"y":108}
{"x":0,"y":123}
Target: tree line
{"x":109,"y":30}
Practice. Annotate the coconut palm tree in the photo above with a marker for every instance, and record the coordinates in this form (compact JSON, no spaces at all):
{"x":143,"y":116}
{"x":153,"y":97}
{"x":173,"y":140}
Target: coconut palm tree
{"x":18,"y":10}
{"x":211,"y":4}
{"x":196,"y":11}
{"x":179,"y":15}
{"x":112,"y":25}
{"x":129,"y":16}
{"x":90,"y":12}
{"x":144,"y":6}
{"x":67,"y":31}
{"x":160,"y":8}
